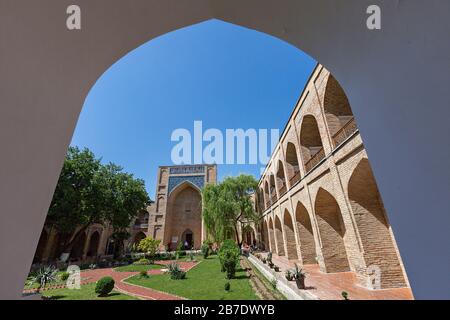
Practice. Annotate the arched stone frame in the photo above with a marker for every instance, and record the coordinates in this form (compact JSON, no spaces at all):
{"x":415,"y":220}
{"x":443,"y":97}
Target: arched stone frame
{"x":332,"y":232}
{"x":338,"y":113}
{"x":135,"y":29}
{"x":311,"y":144}
{"x":192,"y":208}
{"x":305,"y":232}
{"x":281,"y":179}
{"x":289,"y":236}
{"x":292,"y":163}
{"x":279,"y":241}
{"x":379,"y":248}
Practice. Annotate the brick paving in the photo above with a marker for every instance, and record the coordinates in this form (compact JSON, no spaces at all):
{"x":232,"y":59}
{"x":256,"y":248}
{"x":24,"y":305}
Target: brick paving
{"x":329,"y":286}
{"x":90,"y":276}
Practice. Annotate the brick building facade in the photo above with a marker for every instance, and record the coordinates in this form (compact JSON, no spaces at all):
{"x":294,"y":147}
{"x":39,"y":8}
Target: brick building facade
{"x":176,"y":215}
{"x":318,"y":196}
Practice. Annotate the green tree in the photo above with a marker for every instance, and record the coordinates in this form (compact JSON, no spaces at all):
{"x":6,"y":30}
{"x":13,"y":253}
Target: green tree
{"x":149,"y":246}
{"x":89,"y":192}
{"x":228,"y":205}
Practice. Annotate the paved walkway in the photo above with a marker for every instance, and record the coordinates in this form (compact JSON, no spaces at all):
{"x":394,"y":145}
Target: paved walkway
{"x":329,"y":286}
{"x":90,"y":276}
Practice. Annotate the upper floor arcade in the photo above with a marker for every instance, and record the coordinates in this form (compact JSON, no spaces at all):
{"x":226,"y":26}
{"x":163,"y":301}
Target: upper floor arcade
{"x":321,"y":123}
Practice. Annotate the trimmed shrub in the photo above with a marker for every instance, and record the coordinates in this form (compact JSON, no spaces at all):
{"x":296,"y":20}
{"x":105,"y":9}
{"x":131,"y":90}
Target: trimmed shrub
{"x":142,"y":261}
{"x":143,"y":274}
{"x":205,"y":250}
{"x":227,"y":286}
{"x":64,"y":276}
{"x":229,"y":257}
{"x":104,"y":286}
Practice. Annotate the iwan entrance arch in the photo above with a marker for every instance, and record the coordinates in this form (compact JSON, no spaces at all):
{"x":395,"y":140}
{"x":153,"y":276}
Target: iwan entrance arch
{"x":396,"y":80}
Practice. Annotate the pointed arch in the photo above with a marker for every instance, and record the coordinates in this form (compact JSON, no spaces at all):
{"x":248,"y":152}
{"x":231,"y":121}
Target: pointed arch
{"x":94,"y":242}
{"x":305,"y":234}
{"x":373,"y":226}
{"x":266,"y":195}
{"x":279,"y":237}
{"x":292,"y":164}
{"x":281,"y":179}
{"x":184,"y":211}
{"x":138,"y":237}
{"x":332,"y":232}
{"x":311,"y":143}
{"x":338,"y":112}
{"x":78,"y":248}
{"x":289,"y":235}
{"x":272,"y":188}
{"x":271,"y":235}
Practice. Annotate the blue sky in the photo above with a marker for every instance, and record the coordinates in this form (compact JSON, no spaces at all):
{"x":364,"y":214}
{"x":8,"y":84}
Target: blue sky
{"x":224,"y":75}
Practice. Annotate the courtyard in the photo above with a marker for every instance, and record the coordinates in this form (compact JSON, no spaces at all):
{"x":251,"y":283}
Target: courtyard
{"x":204,"y":281}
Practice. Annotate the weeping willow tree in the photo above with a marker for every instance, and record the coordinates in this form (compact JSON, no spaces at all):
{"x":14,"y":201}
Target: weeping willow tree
{"x":227,"y":205}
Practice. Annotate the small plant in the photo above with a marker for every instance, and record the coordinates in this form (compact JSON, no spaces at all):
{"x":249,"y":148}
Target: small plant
{"x":274,"y":283}
{"x":264,"y":260}
{"x":276,"y":268}
{"x":227,"y":286}
{"x":179,"y":250}
{"x":175,"y":271}
{"x":191,"y":256}
{"x":258,"y":256}
{"x":269,"y":258}
{"x":205,"y":250}
{"x":229,"y":257}
{"x":92,"y":266}
{"x":45,"y":275}
{"x":104,"y":286}
{"x":64,"y":276}
{"x":142,"y":262}
{"x":289,"y":276}
{"x":299,"y":277}
{"x":143,"y":274}
{"x":345,"y":295}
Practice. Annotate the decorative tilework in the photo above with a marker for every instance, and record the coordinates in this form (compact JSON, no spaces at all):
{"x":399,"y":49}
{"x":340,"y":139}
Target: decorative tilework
{"x":199,"y":181}
{"x":187,"y":169}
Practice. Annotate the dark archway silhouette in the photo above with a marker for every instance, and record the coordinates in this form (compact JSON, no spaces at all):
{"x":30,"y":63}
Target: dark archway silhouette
{"x":93,"y":244}
{"x":78,"y":248}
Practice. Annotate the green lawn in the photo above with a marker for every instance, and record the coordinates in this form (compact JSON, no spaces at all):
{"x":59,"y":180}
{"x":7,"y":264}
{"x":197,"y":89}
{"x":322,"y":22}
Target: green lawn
{"x":138,"y":268}
{"x":86,"y":292}
{"x":203,"y":282}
